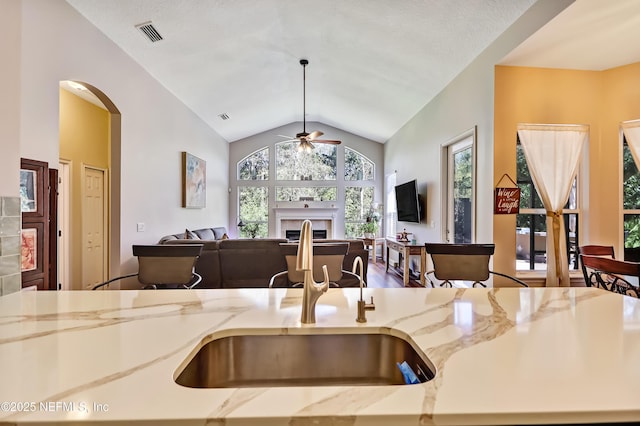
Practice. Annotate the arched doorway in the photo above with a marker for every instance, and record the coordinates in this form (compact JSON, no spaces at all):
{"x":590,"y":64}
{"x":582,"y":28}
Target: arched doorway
{"x":89,"y":202}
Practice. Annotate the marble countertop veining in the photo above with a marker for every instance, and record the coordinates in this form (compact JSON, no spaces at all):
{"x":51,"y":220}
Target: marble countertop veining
{"x":503,"y":356}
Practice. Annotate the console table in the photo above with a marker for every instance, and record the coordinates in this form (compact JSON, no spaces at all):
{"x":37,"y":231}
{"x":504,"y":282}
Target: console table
{"x":373,"y":242}
{"x":406,"y":249}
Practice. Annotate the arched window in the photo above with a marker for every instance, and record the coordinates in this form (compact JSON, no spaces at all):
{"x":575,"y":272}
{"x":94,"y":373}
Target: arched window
{"x":317,"y":165}
{"x":254,"y":166}
{"x":357,"y":166}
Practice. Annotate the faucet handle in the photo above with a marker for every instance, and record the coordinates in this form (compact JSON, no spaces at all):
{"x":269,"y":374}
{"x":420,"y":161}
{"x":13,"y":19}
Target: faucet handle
{"x":370,"y":306}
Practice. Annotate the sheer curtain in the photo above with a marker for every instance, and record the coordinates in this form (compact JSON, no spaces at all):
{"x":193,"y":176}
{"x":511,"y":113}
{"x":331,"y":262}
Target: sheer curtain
{"x":553,"y":152}
{"x":631,"y":131}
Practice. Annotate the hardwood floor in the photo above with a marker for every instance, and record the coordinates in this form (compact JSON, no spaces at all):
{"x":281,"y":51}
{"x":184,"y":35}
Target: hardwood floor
{"x":377,"y":277}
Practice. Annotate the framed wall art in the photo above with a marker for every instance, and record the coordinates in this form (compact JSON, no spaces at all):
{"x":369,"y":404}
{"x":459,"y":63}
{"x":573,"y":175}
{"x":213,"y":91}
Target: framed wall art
{"x":194,"y":181}
{"x":29,"y":249}
{"x":28,"y":191}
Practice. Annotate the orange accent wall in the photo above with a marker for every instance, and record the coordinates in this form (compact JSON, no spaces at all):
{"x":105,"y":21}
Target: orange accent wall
{"x":84,"y":139}
{"x":601,"y":99}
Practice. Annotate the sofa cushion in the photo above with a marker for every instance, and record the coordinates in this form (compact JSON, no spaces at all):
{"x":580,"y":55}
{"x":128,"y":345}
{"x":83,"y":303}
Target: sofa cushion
{"x":206,"y":234}
{"x":219,"y":232}
{"x":190,"y":235}
{"x":250,"y":263}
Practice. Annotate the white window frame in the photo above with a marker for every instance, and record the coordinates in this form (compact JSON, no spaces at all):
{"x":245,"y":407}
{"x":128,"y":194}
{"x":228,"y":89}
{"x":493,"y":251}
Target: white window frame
{"x":449,"y":148}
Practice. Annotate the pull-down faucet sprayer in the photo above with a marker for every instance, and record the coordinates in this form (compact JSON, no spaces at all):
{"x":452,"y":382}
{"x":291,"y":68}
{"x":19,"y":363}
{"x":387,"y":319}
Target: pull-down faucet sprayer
{"x":304,"y":262}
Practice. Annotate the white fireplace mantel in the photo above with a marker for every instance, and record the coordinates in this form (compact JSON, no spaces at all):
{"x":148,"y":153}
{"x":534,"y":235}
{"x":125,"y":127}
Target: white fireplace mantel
{"x":319,"y":216}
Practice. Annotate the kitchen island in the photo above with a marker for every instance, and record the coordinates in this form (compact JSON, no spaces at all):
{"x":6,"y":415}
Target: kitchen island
{"x":502,"y":356}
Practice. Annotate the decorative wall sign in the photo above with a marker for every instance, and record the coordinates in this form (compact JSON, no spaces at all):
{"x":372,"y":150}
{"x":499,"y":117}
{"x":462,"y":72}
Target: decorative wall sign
{"x":194,"y":181}
{"x":507,"y":199}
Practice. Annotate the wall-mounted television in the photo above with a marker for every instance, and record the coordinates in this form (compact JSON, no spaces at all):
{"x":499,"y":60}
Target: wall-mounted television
{"x":408,"y":202}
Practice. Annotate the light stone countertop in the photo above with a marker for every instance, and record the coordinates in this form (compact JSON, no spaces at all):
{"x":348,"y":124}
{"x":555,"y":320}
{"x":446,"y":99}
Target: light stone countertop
{"x":503,"y":356}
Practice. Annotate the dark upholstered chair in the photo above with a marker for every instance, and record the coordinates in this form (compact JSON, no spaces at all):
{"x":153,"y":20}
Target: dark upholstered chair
{"x":330,"y":254}
{"x":463,"y":262}
{"x":164,"y":266}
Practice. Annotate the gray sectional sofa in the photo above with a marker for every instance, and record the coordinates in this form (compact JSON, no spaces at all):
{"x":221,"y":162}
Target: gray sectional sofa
{"x":250,"y":263}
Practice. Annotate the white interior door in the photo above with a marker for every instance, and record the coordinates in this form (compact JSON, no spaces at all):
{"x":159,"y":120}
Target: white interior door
{"x":460,"y":202}
{"x":94,"y":207}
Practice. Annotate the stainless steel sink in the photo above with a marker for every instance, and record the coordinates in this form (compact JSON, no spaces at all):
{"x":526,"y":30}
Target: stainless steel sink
{"x":303,"y":360}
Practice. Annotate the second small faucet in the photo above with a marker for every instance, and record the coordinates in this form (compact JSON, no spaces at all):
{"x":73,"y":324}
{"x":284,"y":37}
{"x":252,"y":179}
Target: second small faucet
{"x":362,"y":305}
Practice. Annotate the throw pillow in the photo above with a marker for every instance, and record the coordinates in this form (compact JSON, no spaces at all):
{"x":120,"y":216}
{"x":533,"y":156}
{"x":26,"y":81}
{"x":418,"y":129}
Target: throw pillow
{"x":225,"y":237}
{"x":190,"y":235}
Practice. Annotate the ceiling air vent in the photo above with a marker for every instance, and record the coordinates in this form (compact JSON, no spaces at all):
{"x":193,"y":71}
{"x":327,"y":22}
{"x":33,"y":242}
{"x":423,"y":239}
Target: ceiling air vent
{"x":149,"y":31}
{"x":224,"y":116}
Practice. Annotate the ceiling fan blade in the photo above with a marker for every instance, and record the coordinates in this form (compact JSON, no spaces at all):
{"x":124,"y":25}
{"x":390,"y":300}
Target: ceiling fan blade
{"x":314,"y":135}
{"x":286,"y":137}
{"x":330,"y":142}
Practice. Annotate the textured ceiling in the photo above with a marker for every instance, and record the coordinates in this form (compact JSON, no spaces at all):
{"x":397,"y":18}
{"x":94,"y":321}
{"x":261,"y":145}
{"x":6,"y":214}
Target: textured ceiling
{"x":373,"y":63}
{"x":588,"y":35}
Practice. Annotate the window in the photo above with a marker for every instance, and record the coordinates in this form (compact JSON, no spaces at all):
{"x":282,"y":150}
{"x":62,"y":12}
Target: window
{"x":357,"y":166}
{"x":313,"y":193}
{"x":630,"y":200}
{"x":362,"y":216}
{"x":460,"y":202}
{"x":531,"y":226}
{"x":254,"y":166}
{"x":317,"y":165}
{"x":358,"y":203}
{"x":390,"y":214}
{"x":253,"y":208}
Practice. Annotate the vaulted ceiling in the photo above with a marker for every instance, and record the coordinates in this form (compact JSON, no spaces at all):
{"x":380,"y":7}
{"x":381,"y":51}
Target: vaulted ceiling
{"x":373,"y":64}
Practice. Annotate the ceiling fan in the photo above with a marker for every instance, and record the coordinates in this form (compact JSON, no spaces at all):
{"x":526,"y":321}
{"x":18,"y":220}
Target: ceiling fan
{"x":305,"y":138}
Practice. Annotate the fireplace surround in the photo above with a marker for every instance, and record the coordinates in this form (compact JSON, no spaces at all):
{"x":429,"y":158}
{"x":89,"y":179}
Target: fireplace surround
{"x":291,"y":218}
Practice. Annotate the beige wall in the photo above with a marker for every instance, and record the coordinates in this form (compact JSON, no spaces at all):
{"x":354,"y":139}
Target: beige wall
{"x":600,"y":99}
{"x":468,"y":101}
{"x":57,"y":43}
{"x":11,"y":24}
{"x":84,"y":140}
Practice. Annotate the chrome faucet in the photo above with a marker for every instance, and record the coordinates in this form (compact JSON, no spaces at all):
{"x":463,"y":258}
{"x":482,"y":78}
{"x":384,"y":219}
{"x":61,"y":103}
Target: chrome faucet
{"x":362,"y":305}
{"x":304,"y":262}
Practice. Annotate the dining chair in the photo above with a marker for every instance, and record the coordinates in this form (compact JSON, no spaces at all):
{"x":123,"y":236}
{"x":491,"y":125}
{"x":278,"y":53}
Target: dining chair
{"x":329,"y":254}
{"x":164,"y":266}
{"x":462,"y":262}
{"x":594,"y":250}
{"x":611,"y":274}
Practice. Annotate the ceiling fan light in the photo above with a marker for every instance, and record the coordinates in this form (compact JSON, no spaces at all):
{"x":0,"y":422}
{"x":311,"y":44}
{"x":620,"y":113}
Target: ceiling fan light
{"x":300,"y":147}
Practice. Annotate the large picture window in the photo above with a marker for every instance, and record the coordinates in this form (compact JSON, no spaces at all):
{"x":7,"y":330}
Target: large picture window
{"x":531,"y":225}
{"x":358,"y":202}
{"x":317,"y":165}
{"x":253,"y":208}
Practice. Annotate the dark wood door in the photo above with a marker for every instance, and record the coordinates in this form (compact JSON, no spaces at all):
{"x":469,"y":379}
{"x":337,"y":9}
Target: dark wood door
{"x":35,"y":206}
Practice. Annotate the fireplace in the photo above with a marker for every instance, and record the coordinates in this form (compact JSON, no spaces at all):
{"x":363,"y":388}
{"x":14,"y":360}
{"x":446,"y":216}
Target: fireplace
{"x":294,"y":234}
{"x":291,"y":218}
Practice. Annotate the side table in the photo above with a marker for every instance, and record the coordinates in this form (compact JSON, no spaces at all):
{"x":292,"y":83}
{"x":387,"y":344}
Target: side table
{"x":373,"y":242}
{"x":406,"y":249}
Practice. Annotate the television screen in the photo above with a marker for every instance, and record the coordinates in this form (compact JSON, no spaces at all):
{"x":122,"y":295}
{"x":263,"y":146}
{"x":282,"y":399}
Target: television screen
{"x":408,"y":202}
